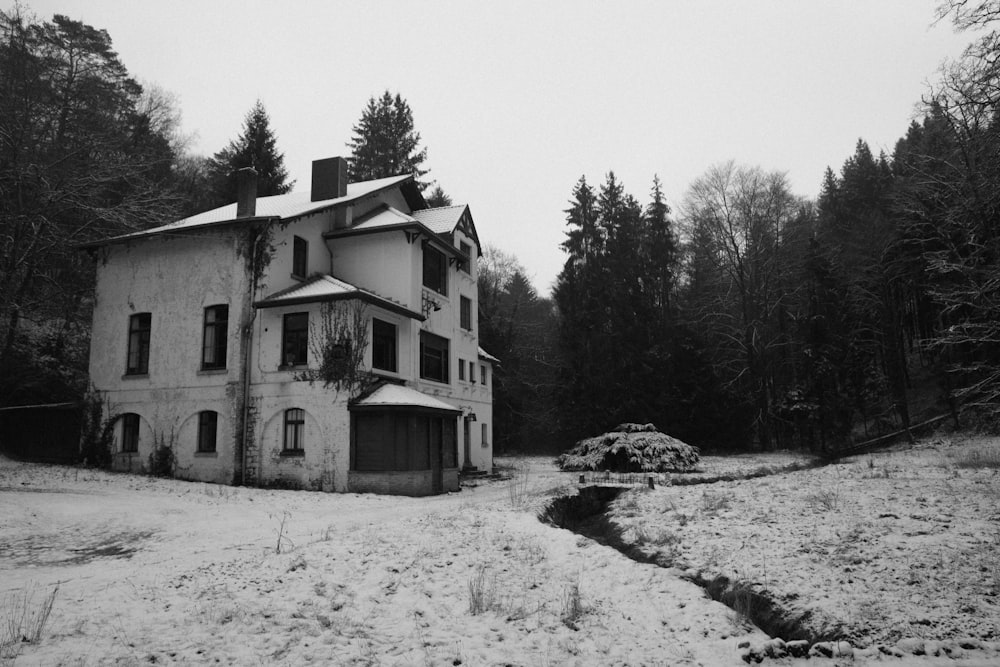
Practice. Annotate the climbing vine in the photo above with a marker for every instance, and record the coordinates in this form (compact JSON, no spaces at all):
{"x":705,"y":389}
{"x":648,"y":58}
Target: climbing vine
{"x":338,"y":339}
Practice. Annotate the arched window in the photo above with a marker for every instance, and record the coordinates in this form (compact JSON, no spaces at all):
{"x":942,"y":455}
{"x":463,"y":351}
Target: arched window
{"x":130,"y":432}
{"x":208,"y":422}
{"x":295,"y":426}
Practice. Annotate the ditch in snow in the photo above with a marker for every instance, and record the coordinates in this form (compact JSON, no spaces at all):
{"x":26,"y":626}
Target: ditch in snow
{"x":586,"y":514}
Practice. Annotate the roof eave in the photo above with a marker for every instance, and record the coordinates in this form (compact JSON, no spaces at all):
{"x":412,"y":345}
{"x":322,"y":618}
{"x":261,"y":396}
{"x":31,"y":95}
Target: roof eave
{"x":326,"y":298}
{"x":180,"y":231}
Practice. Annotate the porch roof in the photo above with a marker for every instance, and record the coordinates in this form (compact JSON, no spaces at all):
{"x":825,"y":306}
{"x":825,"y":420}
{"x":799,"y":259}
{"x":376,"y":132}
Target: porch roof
{"x":398,"y":396}
{"x":320,"y":288}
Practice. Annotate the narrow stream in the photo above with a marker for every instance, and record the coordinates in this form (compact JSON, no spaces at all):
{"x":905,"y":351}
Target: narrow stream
{"x":586,"y":514}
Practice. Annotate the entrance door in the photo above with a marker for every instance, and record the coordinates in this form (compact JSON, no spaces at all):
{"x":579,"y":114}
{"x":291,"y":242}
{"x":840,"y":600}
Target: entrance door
{"x":466,"y":440}
{"x":437,"y":441}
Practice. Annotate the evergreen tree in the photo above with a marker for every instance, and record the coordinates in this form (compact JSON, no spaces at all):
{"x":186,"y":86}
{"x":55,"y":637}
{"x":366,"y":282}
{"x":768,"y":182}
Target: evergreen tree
{"x":662,"y":252}
{"x":385,"y":142}
{"x":257,"y":147}
{"x":616,"y":334}
{"x":438,"y":198}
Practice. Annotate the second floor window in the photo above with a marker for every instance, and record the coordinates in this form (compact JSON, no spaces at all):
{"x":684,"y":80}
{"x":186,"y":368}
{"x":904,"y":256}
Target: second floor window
{"x":295,"y":340}
{"x":466,"y":313}
{"x":139,"y":326}
{"x":383,"y":345}
{"x":433,"y":357}
{"x":300,"y":255}
{"x":207,"y":423}
{"x":435,"y":270}
{"x":213,"y":351}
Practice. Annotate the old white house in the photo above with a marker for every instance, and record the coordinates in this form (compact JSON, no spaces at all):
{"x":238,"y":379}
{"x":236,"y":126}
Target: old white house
{"x":323,"y":340}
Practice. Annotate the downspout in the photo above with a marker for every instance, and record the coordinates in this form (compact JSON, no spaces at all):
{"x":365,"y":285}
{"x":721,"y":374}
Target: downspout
{"x":255,"y":268}
{"x":247,"y":358}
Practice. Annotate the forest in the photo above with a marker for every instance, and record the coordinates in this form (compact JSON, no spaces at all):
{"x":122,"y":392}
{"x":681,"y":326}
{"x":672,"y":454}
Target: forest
{"x":747,"y":318}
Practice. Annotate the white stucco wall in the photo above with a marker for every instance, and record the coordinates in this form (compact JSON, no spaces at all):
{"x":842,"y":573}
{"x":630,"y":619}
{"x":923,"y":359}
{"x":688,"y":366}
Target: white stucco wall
{"x":173,"y":279}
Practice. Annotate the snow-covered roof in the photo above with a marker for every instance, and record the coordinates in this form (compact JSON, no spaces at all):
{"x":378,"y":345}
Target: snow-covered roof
{"x":394,"y":395}
{"x":286,"y":206}
{"x":441,"y":220}
{"x":483,"y":354}
{"x":383,"y":216}
{"x":321,"y":288}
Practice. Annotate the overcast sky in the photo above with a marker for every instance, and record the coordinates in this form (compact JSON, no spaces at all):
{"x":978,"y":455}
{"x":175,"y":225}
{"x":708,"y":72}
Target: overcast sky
{"x":516,"y":100}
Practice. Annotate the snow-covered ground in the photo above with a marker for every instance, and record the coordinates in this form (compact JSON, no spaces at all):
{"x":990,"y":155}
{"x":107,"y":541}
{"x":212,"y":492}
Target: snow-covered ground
{"x":153,"y":571}
{"x":897,"y":545}
{"x":158,"y":571}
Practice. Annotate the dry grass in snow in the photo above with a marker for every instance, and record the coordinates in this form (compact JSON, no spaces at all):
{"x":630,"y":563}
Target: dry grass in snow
{"x":155,"y":571}
{"x":882,"y":547}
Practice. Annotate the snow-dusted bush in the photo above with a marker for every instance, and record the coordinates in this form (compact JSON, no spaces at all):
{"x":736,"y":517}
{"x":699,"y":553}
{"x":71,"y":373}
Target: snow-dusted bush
{"x":631,"y":448}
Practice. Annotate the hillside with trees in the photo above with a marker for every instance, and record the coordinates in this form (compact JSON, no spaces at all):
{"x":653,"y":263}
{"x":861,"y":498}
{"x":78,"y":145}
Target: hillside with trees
{"x":749,"y":317}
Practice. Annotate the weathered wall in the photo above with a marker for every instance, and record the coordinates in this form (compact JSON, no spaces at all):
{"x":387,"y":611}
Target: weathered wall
{"x":173,"y":279}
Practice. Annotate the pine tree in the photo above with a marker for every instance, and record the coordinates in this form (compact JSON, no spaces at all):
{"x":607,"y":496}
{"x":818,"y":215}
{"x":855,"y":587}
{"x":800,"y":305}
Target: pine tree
{"x":662,"y":251}
{"x":385,"y":143}
{"x":257,"y":147}
{"x":438,"y":197}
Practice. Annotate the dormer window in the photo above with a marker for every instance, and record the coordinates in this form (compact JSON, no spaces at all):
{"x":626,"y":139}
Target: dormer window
{"x":435,"y":270}
{"x":300,"y":255}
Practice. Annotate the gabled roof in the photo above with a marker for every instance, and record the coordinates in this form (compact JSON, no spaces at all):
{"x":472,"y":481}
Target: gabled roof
{"x":385,"y":218}
{"x":381,"y":217}
{"x":398,"y":396}
{"x":446,"y":219}
{"x":324,"y":288}
{"x":285,"y":207}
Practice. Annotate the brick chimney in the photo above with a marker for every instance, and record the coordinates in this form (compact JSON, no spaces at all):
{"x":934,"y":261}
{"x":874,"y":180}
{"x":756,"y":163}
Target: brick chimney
{"x":329,"y":178}
{"x":246,"y":192}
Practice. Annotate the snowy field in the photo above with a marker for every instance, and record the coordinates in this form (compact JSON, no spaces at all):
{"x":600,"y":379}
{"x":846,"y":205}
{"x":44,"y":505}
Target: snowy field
{"x":150,"y":571}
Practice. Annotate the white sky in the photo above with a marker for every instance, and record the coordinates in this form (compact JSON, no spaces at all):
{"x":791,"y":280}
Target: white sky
{"x":516,"y":99}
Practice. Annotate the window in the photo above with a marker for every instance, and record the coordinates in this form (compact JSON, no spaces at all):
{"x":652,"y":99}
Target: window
{"x":467,"y":251}
{"x":130,"y":432}
{"x":295,"y":340}
{"x":485,"y":441}
{"x":482,"y":376}
{"x":138,"y":344}
{"x":207,"y":422}
{"x":383,"y":345}
{"x":295,"y":426}
{"x":466,"y":313}
{"x":213,"y":350}
{"x":461,"y":369}
{"x":472,"y":371}
{"x":433,"y":357}
{"x":300,"y":254}
{"x":435,"y":270}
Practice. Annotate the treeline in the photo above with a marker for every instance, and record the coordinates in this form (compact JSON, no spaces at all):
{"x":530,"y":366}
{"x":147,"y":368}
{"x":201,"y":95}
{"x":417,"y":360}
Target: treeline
{"x":86,"y":152}
{"x":748,"y":318}
{"x":758,"y":319}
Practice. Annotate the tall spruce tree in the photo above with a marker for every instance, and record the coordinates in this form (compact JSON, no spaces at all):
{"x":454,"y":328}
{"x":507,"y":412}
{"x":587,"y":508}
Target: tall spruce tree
{"x":257,"y":147}
{"x":385,"y":142}
{"x":615,"y":329}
